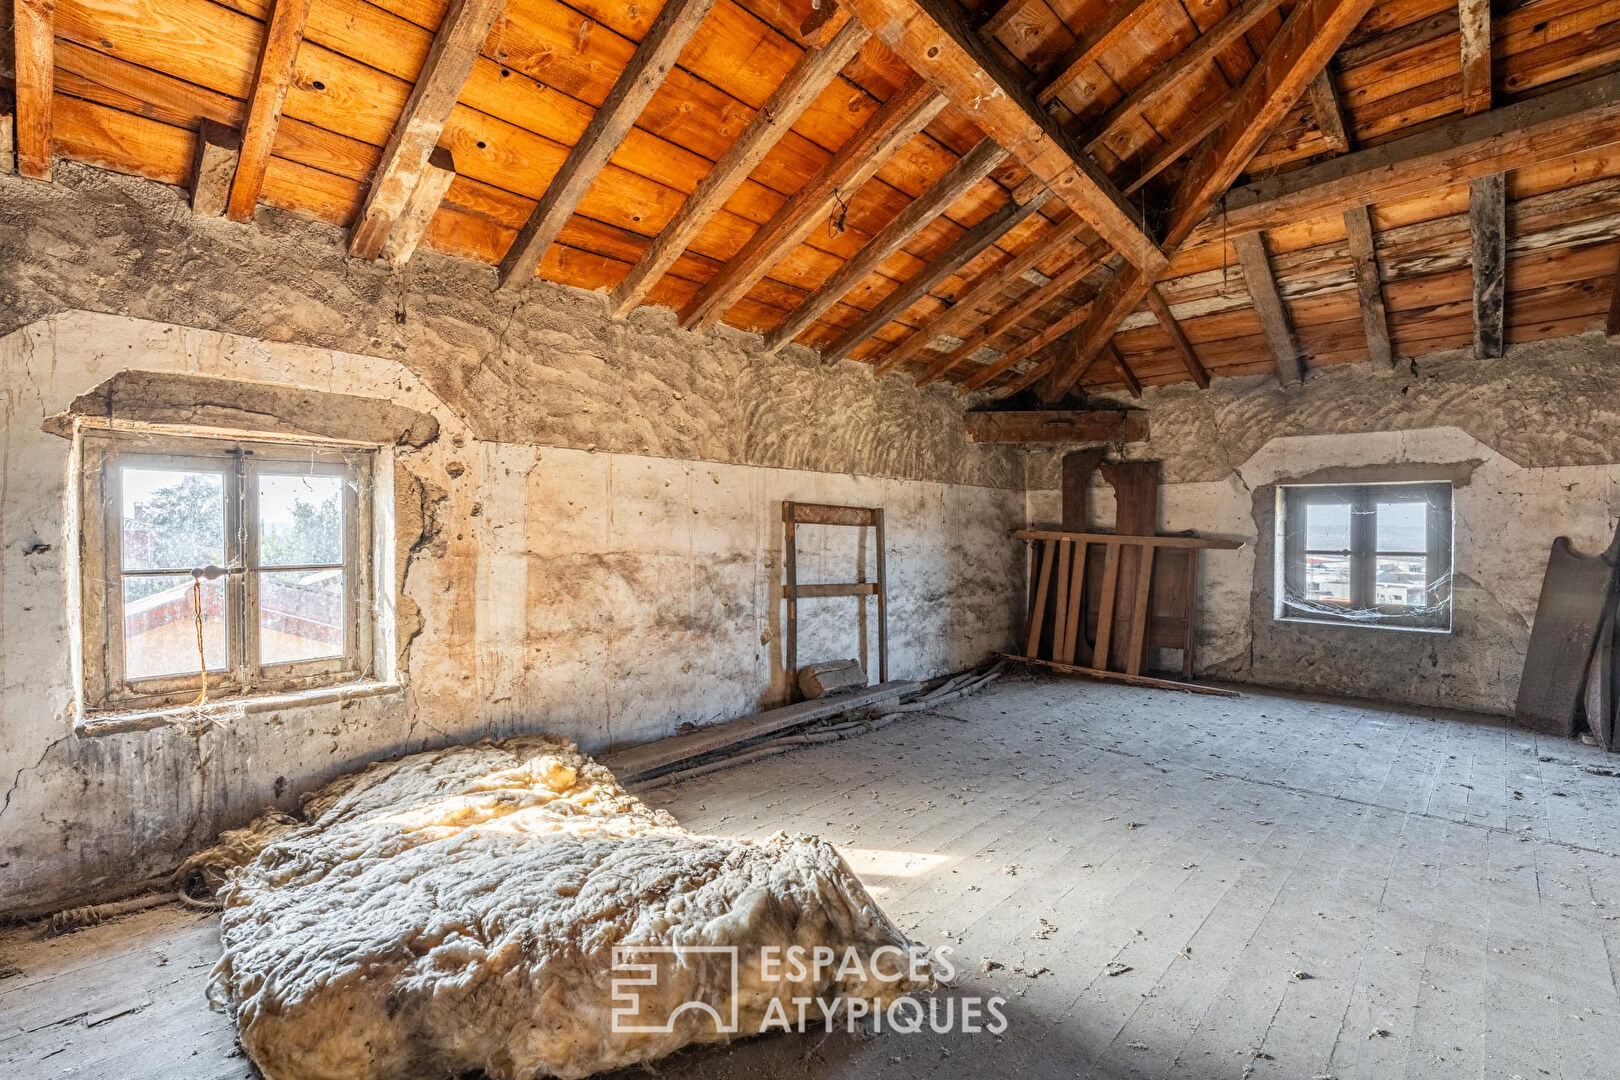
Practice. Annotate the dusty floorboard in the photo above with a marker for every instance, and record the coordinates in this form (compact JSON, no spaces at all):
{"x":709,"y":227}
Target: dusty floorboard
{"x":1299,"y":889}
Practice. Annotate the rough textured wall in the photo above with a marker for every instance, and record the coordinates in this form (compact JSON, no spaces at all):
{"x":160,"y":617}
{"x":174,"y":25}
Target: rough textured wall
{"x":610,"y":597}
{"x":1530,"y":440}
{"x":546,"y":367}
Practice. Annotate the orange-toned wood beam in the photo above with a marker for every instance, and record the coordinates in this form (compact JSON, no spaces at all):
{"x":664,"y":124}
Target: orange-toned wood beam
{"x":34,"y":37}
{"x":283,"y":36}
{"x":1178,"y":338}
{"x":649,"y":66}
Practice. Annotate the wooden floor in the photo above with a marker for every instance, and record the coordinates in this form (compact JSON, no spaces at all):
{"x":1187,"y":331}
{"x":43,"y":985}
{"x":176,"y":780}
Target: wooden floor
{"x":1297,"y":888}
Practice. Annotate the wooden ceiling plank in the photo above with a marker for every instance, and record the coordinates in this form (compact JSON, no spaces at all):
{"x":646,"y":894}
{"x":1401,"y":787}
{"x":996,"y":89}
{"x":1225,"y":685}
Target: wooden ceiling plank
{"x":405,"y":157}
{"x":974,"y":166}
{"x":897,"y":122}
{"x":283,"y":36}
{"x":218,"y":148}
{"x":649,"y":66}
{"x":815,"y":69}
{"x":1036,"y":299}
{"x":1487,"y":229}
{"x":1132,"y":383}
{"x":986,"y":289}
{"x":1300,"y":50}
{"x":1233,"y":25}
{"x":1474,"y":24}
{"x":1178,"y":338}
{"x":934,"y":39}
{"x":1001,"y":16}
{"x":1120,"y":20}
{"x":1582,"y":118}
{"x":426,"y":195}
{"x":967,"y":247}
{"x":1369,"y":288}
{"x":34,"y":38}
{"x":1268,"y":307}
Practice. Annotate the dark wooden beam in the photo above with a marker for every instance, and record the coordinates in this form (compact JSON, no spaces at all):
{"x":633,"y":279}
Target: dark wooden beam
{"x":1573,"y":120}
{"x":1369,"y":288}
{"x":983,"y":292}
{"x":967,"y":247}
{"x":1132,"y":383}
{"x":934,"y":39}
{"x":1487,"y":228}
{"x":416,"y":133}
{"x":8,"y":131}
{"x":649,"y":66}
{"x":412,"y":223}
{"x":214,"y":169}
{"x":34,"y":37}
{"x":908,"y":110}
{"x":815,"y":69}
{"x":1612,"y":327}
{"x":1058,"y":426}
{"x":971,"y":168}
{"x":282,"y":37}
{"x":1474,"y":24}
{"x":1120,"y":20}
{"x":1268,"y":307}
{"x":1329,"y":114}
{"x":1178,"y":338}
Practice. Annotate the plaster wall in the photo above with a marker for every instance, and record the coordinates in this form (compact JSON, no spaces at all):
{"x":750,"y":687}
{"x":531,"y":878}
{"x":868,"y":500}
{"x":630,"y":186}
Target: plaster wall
{"x":1530,"y":442}
{"x":607,"y":596}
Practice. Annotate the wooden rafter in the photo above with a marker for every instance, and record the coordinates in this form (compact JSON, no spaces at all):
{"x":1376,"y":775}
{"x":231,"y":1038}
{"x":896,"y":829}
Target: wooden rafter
{"x":412,"y":222}
{"x":8,"y":128}
{"x":649,"y":66}
{"x":283,"y":36}
{"x":405,"y":158}
{"x":218,"y":148}
{"x":1020,"y":310}
{"x":34,"y":38}
{"x":1048,"y":334}
{"x":1329,"y":115}
{"x":1369,"y":288}
{"x":1300,"y":50}
{"x":1178,"y":338}
{"x":968,"y":246}
{"x":1612,"y":325}
{"x":1474,"y":26}
{"x":1120,"y":20}
{"x":973,"y":166}
{"x":1117,"y":358}
{"x":934,"y":39}
{"x":1576,"y":119}
{"x":1487,"y":229}
{"x":1268,"y":306}
{"x":897,"y":122}
{"x":984,"y":291}
{"x":815,"y":69}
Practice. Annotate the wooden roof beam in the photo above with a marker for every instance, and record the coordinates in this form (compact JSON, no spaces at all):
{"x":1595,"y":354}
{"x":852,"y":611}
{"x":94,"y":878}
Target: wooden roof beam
{"x":968,"y":246}
{"x":413,"y":220}
{"x":1474,"y":25}
{"x":1120,"y":20}
{"x":416,"y":133}
{"x":1051,"y":426}
{"x":1369,"y":288}
{"x":283,"y":35}
{"x":8,"y":128}
{"x":972,"y":167}
{"x":908,"y":110}
{"x":34,"y":37}
{"x":934,"y":39}
{"x":1295,"y":56}
{"x":1132,"y":383}
{"x":1178,"y":338}
{"x":815,"y":69}
{"x":1487,"y":228}
{"x":1576,"y":119}
{"x":1612,"y":327}
{"x":214,"y":169}
{"x":649,"y":66}
{"x":1329,"y":115}
{"x":1268,"y":307}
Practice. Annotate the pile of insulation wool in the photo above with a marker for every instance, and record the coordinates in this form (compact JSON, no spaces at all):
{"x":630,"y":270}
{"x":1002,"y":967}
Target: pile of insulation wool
{"x":458,"y":910}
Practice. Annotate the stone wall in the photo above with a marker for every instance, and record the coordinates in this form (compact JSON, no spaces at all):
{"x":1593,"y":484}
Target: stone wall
{"x":1531,"y":442}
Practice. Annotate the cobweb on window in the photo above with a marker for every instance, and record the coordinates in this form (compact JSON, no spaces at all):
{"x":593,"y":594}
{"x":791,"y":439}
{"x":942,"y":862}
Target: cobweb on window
{"x":1402,"y":591}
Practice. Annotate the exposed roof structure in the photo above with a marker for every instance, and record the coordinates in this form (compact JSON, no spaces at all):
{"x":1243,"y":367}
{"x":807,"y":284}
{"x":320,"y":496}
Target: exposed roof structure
{"x":1034,"y":194}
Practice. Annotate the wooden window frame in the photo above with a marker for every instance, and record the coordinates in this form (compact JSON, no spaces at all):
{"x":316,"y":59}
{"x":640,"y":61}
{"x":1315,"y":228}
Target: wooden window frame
{"x":103,"y":453}
{"x":1363,"y":553}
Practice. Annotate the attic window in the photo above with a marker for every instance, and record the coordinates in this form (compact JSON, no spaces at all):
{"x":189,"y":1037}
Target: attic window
{"x":263,"y":550}
{"x":1365,"y":554}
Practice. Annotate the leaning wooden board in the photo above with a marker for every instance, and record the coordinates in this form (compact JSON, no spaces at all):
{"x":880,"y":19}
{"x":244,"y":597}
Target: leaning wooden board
{"x":1574,"y":593}
{"x":638,"y":762}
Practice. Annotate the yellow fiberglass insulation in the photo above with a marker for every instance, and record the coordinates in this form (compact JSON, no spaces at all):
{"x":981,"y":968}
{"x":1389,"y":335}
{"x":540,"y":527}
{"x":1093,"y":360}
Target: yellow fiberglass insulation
{"x":459,"y":910}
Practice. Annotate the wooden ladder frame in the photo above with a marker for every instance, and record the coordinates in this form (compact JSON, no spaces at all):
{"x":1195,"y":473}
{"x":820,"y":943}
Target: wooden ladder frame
{"x":795,"y":514}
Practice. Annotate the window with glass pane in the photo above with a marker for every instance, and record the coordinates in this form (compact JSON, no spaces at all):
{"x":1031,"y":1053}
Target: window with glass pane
{"x":1370,"y":554}
{"x":248,"y":562}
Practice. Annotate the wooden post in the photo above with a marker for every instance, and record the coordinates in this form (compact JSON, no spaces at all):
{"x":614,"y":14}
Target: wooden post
{"x":790,"y":636}
{"x":882,"y":601}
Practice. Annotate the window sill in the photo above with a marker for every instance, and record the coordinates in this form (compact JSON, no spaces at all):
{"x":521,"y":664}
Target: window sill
{"x":1355,"y":624}
{"x":91,"y":725}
